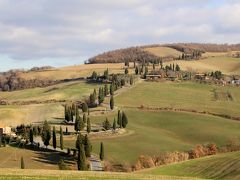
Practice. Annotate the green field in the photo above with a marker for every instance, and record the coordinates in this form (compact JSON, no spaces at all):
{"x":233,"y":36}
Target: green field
{"x":154,"y":132}
{"x":64,"y":91}
{"x":185,"y":95}
{"x":221,"y":166}
{"x":11,"y":156}
{"x":17,"y":174}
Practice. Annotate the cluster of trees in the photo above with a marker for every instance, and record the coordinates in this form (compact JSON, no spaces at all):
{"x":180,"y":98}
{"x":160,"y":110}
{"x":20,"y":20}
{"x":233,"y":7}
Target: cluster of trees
{"x":12,"y":80}
{"x":217,"y":75}
{"x":122,"y":121}
{"x":195,"y":54}
{"x":84,"y":148}
{"x":173,"y":67}
{"x":121,"y":55}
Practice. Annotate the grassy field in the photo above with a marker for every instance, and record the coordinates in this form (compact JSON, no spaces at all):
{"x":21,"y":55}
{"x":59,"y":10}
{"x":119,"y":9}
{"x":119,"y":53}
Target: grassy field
{"x":15,"y":115}
{"x":227,"y":65}
{"x":11,"y":156}
{"x":222,"y":166}
{"x":74,"y":71}
{"x":164,"y":51}
{"x":17,"y":174}
{"x":186,"y":95}
{"x":151,"y":133}
{"x":64,"y":91}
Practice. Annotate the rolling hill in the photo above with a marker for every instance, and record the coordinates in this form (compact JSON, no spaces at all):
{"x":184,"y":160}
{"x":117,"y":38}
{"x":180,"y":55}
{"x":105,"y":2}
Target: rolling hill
{"x":221,"y":166}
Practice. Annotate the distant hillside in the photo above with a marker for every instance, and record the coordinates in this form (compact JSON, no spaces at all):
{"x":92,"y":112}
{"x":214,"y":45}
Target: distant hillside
{"x":153,"y":52}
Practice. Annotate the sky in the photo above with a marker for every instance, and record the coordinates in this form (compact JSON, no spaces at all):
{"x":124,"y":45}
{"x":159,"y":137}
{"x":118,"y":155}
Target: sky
{"x":68,"y":32}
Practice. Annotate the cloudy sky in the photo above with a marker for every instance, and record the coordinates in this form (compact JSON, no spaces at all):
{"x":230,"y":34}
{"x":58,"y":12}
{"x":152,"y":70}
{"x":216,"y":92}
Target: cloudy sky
{"x":67,"y":32}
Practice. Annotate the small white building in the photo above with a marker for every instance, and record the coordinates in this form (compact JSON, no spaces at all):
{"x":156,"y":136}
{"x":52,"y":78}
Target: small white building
{"x":5,"y":130}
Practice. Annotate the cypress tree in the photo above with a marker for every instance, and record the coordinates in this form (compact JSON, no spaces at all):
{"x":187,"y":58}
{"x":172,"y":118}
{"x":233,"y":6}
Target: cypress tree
{"x":136,"y":70}
{"x":84,"y":107}
{"x":131,"y":80}
{"x":106,"y":92}
{"x":112,"y":103}
{"x":124,"y":120}
{"x":106,"y":124}
{"x":119,"y":121}
{"x":154,"y":66}
{"x":81,"y":124}
{"x":114,"y":125}
{"x":77,"y":124}
{"x":66,"y":130}
{"x":87,"y":146}
{"x":88,"y":125}
{"x":81,"y":160}
{"x":101,"y":154}
{"x":126,"y":70}
{"x":84,"y":118}
{"x":31,"y":136}
{"x":54,"y":140}
{"x":22,"y":163}
{"x":79,"y":141}
{"x":61,"y":138}
{"x":112,"y":89}
{"x":46,"y":133}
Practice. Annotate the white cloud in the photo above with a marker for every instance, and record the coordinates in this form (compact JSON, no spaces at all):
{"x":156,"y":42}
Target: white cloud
{"x":75,"y":28}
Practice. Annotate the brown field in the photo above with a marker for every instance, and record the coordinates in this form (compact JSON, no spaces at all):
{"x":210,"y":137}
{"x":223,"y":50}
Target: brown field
{"x":227,"y":65}
{"x":164,"y":51}
{"x":74,"y":71}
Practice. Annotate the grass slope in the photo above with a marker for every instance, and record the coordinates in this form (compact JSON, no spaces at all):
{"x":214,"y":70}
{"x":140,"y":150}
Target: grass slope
{"x":163,"y":51}
{"x":186,"y":95}
{"x":154,"y":132}
{"x":63,"y":91}
{"x":222,"y":166}
{"x":227,"y":65}
{"x":17,"y":174}
{"x":74,"y":71}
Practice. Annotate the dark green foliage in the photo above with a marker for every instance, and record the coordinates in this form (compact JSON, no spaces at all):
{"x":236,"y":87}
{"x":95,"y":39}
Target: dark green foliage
{"x":114,"y":125}
{"x":154,"y":66}
{"x":217,"y":75}
{"x":61,"y":138}
{"x":22,"y":163}
{"x":119,"y":121}
{"x":84,"y":118}
{"x":88,"y":125}
{"x":177,"y":68}
{"x":124,"y":120}
{"x":79,"y":124}
{"x":31,"y":135}
{"x":122,"y":82}
{"x":81,"y":159}
{"x":87,"y":146}
{"x":106,"y":91}
{"x":106,"y":74}
{"x":46,"y":133}
{"x":131,"y":80}
{"x":100,"y":95}
{"x":94,"y":75}
{"x":112,"y":89}
{"x":126,"y":62}
{"x":126,"y":71}
{"x":79,"y":141}
{"x":35,"y":131}
{"x":54,"y":138}
{"x":111,"y":103}
{"x":66,"y":130}
{"x":106,"y":124}
{"x":101,"y":154}
{"x":84,"y":107}
{"x":136,"y":70}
